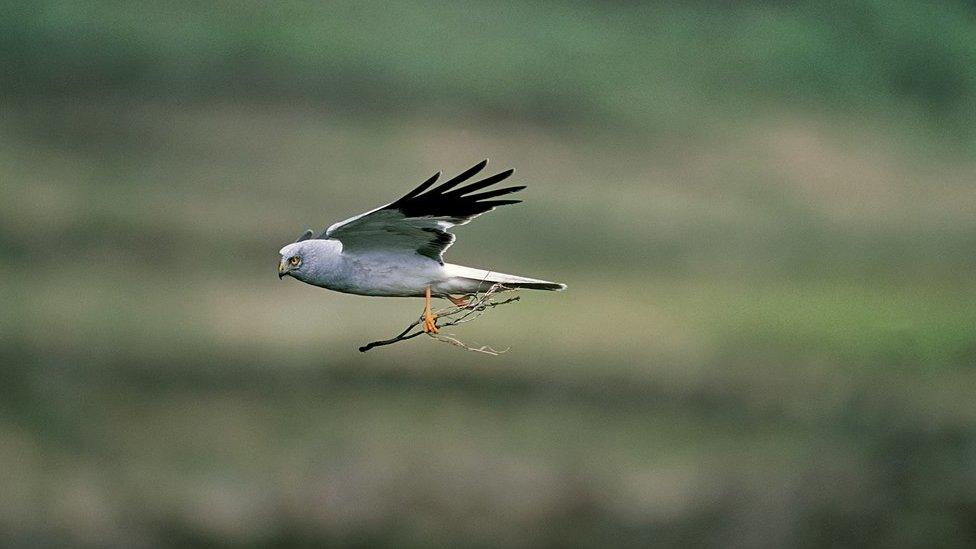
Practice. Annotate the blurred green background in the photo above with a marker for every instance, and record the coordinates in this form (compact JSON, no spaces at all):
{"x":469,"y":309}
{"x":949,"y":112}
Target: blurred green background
{"x":764,"y":212}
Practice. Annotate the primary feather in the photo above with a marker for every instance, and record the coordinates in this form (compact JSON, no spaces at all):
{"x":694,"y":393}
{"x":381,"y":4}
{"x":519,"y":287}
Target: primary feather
{"x":419,"y":220}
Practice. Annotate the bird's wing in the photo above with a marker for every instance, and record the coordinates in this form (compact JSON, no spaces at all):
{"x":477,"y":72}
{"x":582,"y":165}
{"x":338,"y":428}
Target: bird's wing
{"x":419,"y":220}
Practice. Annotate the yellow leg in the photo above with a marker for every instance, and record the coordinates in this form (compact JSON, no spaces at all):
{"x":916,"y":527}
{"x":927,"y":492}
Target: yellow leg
{"x":430,"y":319}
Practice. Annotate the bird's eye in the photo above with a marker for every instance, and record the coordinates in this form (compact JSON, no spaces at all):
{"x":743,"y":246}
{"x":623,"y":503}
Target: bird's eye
{"x":294,"y":261}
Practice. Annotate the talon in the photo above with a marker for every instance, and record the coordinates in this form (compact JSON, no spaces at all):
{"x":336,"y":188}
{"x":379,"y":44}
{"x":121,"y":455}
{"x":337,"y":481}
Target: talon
{"x":430,"y":325}
{"x":462,"y":301}
{"x":430,"y":319}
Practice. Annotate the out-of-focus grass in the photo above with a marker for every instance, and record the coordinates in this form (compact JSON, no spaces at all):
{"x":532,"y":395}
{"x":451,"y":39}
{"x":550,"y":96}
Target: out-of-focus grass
{"x":745,"y":336}
{"x":763,"y":213}
{"x":627,"y":65}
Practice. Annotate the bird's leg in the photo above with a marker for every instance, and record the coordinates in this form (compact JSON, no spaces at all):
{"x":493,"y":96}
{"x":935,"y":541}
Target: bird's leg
{"x":462,"y":301}
{"x":430,"y":319}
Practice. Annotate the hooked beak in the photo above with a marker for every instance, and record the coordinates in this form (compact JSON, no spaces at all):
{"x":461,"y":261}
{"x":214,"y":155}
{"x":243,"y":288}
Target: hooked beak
{"x":282,"y":269}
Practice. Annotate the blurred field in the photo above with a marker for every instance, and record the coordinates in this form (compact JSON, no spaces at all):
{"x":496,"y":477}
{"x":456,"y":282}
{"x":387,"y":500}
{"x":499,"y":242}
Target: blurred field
{"x":764,"y":215}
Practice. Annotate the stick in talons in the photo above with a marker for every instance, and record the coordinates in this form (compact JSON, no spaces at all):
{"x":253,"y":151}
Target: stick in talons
{"x":461,"y":312}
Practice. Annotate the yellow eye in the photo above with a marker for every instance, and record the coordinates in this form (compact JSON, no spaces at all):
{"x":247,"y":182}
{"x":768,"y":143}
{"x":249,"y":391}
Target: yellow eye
{"x":294,"y":261}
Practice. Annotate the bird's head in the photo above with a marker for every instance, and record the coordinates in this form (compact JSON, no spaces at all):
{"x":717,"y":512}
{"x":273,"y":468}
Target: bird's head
{"x":310,"y":260}
{"x":293,"y":258}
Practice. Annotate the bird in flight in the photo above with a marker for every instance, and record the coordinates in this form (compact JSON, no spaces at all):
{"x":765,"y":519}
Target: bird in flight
{"x":397,"y":250}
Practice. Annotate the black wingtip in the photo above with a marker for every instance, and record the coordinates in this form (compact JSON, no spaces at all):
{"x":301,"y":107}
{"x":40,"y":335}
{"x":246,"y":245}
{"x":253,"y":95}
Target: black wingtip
{"x":422,"y":187}
{"x":463,"y":176}
{"x":462,"y":202}
{"x":305,"y":236}
{"x":488,"y":181}
{"x":494,"y":203}
{"x":495,"y":192}
{"x":505,"y":174}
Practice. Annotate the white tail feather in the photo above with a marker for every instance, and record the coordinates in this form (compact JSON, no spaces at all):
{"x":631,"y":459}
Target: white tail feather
{"x":470,"y":280}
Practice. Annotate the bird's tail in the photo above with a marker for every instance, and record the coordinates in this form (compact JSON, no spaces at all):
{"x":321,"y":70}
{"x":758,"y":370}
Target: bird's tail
{"x":471,"y":280}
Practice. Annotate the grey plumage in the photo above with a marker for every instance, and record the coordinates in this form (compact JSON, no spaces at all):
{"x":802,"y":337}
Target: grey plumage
{"x":397,"y":249}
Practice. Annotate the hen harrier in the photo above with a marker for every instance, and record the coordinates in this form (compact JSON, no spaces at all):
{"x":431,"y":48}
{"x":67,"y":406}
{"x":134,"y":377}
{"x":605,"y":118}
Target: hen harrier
{"x":397,"y":250}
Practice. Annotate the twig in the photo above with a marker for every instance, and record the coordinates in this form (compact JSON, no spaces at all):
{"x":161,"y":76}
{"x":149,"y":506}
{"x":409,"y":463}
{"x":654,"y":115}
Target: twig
{"x":400,"y":337}
{"x":476,"y":306}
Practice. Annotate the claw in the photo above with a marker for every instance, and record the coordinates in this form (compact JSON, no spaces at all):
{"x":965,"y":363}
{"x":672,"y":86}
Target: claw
{"x":430,"y":319}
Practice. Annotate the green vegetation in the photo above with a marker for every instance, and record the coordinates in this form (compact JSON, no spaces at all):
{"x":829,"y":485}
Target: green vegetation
{"x":763,"y":213}
{"x":630,"y":64}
